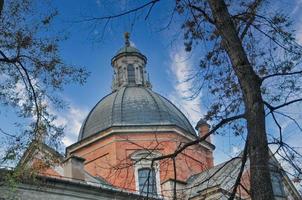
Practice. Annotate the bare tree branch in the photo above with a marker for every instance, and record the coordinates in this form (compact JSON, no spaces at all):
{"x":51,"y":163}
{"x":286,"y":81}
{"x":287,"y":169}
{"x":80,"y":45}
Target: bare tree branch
{"x":273,"y":108}
{"x":175,"y":176}
{"x":253,"y":9}
{"x":291,"y":118}
{"x":150,"y":9}
{"x":34,"y":95}
{"x":8,"y":134}
{"x":206,"y":16}
{"x":186,"y":145}
{"x":281,"y":74}
{"x":279,"y":126}
{"x":238,"y":180}
{"x":16,"y":62}
{"x":151,"y":3}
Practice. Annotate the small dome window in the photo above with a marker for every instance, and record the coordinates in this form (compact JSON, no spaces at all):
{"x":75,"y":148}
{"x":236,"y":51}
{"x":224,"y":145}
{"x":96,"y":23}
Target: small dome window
{"x":131,"y":74}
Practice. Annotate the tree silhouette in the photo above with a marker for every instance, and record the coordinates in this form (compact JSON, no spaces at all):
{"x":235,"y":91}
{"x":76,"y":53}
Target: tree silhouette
{"x":31,"y":71}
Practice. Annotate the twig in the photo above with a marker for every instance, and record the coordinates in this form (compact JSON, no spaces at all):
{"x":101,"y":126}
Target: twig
{"x":280,"y":74}
{"x":186,"y":145}
{"x":123,"y":13}
{"x":174,"y":187}
{"x":244,"y":159}
{"x":5,"y":133}
{"x":273,"y":108}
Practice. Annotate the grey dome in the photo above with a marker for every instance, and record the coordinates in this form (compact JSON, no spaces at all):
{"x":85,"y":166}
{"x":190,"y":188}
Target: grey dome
{"x":128,"y":49}
{"x":133,"y":106}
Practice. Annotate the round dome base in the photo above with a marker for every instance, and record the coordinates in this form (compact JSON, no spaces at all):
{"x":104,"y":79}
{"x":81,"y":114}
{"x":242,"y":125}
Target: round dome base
{"x":133,"y":106}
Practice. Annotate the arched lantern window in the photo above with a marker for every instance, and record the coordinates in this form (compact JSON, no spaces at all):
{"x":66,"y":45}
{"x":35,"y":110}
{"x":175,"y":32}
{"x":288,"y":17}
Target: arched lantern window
{"x":131,"y":73}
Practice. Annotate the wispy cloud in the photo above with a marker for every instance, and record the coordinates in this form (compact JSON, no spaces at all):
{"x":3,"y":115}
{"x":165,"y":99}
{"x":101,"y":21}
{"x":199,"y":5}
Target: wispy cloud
{"x":181,"y":68}
{"x":72,"y":119}
{"x":132,"y":43}
{"x":299,"y":34}
{"x":98,"y":3}
{"x":298,"y":17}
{"x":297,"y":6}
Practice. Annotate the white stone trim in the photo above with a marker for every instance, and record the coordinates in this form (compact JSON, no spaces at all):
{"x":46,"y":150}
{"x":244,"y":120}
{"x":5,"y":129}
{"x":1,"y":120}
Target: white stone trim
{"x":145,"y":162}
{"x":130,"y":130}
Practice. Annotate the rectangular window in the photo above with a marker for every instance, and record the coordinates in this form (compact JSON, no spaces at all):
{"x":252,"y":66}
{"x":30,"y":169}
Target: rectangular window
{"x":277,"y":184}
{"x":131,"y":74}
{"x":147,"y":181}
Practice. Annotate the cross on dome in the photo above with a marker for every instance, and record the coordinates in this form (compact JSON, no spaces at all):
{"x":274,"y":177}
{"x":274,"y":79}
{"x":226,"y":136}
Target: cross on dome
{"x":127,"y":37}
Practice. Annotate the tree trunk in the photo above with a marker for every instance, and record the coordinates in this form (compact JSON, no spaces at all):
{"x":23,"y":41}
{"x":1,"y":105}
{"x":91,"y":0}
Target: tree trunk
{"x":261,"y":187}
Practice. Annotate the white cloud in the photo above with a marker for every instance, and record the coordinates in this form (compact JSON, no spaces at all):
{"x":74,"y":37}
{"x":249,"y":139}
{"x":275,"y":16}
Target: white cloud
{"x":236,"y":150}
{"x":72,"y":120}
{"x":180,"y":69}
{"x":98,"y":3}
{"x":132,"y":43}
{"x":297,"y":7}
{"x":299,"y":34}
{"x":298,"y":17}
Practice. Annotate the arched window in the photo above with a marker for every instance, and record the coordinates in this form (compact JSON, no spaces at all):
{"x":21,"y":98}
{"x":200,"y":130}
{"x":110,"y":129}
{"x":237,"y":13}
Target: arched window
{"x":147,"y":181}
{"x":131,"y":74}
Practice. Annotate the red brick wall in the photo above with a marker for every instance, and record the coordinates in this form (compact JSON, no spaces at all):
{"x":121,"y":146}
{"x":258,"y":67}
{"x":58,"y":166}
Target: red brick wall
{"x":109,"y":157}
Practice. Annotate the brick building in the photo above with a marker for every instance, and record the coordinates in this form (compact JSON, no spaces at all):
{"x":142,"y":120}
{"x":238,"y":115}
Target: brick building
{"x":122,"y":135}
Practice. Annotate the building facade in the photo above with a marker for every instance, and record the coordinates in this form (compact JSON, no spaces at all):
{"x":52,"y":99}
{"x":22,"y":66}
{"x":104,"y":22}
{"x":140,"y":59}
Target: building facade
{"x":132,"y":125}
{"x":121,"y":140}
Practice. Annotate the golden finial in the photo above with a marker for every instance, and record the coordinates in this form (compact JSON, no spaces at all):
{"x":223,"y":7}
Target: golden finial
{"x":127,"y":36}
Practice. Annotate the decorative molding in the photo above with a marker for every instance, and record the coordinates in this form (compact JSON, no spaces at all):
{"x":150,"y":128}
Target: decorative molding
{"x":130,"y":130}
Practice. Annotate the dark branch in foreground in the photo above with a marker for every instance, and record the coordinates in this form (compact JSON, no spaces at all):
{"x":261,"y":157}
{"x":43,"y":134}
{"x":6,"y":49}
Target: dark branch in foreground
{"x":281,"y":74}
{"x":238,"y":180}
{"x":151,"y":3}
{"x":18,"y":64}
{"x":186,"y":145}
{"x":273,"y":108}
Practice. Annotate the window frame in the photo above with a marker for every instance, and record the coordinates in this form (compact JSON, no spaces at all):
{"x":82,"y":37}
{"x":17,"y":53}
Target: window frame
{"x":143,"y":159}
{"x":277,"y":184}
{"x":131,"y":74}
{"x":151,"y":183}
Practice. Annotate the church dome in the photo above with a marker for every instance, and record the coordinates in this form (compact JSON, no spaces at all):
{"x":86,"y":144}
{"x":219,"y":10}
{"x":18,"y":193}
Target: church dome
{"x":132,"y":103}
{"x":133,"y":106}
{"x":128,"y":49}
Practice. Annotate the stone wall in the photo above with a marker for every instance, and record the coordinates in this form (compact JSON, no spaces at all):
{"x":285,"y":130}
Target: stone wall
{"x":59,"y":189}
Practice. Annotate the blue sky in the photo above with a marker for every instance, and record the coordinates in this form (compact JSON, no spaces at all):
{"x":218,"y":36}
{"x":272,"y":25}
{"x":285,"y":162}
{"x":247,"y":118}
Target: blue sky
{"x":168,"y":64}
